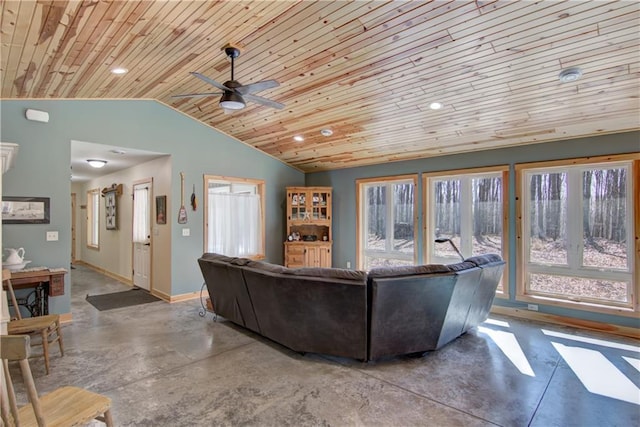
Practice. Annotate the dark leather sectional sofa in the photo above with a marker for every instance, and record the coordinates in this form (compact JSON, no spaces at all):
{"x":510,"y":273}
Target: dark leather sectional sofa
{"x":349,"y":313}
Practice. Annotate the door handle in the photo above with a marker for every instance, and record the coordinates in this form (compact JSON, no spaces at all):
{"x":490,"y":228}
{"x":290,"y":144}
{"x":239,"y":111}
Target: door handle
{"x":147,"y":244}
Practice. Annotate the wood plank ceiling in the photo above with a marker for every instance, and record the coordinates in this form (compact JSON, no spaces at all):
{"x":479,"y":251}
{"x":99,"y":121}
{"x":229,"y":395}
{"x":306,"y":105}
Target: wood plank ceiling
{"x":367,"y":70}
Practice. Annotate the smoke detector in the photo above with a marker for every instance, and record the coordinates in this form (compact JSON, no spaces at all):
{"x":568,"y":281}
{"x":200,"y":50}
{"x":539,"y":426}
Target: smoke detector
{"x":570,"y":75}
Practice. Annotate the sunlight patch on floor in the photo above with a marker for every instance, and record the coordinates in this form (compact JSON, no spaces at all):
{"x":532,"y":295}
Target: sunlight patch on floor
{"x":633,"y":362}
{"x":596,"y":341}
{"x":598,"y":374}
{"x":508,"y":343}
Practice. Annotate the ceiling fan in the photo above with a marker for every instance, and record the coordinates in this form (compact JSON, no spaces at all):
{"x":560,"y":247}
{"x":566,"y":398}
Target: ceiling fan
{"x":234,"y":94}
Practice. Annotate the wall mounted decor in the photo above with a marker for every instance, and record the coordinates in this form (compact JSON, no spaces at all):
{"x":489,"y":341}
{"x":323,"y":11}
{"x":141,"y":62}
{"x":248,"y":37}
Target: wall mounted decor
{"x":110,"y":195}
{"x":161,"y":209}
{"x":25,"y":210}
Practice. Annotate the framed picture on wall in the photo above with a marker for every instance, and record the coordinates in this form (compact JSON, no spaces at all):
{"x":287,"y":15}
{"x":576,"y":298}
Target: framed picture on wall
{"x":111,"y":211}
{"x":161,"y":209}
{"x":25,"y":210}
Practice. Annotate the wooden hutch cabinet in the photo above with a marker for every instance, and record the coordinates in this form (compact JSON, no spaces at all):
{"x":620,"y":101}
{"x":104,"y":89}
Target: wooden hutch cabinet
{"x":309,"y":236}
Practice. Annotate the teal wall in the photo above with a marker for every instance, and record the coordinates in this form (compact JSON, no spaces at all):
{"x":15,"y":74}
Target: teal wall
{"x":42,"y":169}
{"x":343,"y":182}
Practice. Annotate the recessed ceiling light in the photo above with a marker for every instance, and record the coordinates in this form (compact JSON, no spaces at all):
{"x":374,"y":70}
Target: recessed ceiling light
{"x":435,"y":105}
{"x":97,"y":163}
{"x":326,"y":132}
{"x":570,"y":75}
{"x":298,"y":138}
{"x":119,"y":70}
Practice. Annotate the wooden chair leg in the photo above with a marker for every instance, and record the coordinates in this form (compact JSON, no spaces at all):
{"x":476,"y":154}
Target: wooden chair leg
{"x":10,"y":395}
{"x":108,"y":420}
{"x":45,"y":349}
{"x":59,"y":336}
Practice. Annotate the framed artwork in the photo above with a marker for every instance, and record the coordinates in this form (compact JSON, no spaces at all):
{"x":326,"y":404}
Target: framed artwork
{"x":25,"y":210}
{"x":161,"y":209}
{"x":111,"y":210}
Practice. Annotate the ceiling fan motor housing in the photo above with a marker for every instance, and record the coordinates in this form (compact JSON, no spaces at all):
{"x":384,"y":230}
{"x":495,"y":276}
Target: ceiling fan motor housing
{"x":232,"y":52}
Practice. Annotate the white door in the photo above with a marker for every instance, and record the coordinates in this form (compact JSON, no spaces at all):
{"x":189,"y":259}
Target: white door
{"x":142,"y":211}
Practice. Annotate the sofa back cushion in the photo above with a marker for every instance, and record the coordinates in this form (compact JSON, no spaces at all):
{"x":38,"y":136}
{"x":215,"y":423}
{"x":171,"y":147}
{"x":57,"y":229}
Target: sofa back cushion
{"x":227,"y":289}
{"x":408,"y":270}
{"x":329,"y":273}
{"x":481,"y":260}
{"x":310,"y":310}
{"x":461,"y":266}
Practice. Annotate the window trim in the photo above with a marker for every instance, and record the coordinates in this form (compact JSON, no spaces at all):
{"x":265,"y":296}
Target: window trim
{"x":426,"y":202}
{"x":93,"y":218}
{"x":521,"y":292}
{"x":360,"y":183}
{"x":260,"y":184}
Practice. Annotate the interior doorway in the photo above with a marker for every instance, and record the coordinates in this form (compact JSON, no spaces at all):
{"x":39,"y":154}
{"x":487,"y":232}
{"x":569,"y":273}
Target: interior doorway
{"x":142,"y":241}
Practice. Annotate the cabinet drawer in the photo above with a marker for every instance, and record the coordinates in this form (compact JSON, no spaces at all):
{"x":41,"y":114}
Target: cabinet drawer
{"x":297,"y":259}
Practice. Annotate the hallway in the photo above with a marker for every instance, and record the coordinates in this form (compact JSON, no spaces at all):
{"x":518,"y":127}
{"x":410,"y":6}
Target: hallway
{"x":164,"y":365}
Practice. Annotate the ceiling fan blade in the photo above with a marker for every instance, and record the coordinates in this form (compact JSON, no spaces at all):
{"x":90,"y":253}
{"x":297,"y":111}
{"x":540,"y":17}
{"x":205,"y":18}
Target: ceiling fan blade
{"x":211,"y":82}
{"x":257,"y":86}
{"x":263,"y":101}
{"x":197,"y":95}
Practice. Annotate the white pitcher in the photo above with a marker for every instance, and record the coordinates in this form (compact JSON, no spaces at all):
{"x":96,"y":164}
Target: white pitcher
{"x":16,"y":256}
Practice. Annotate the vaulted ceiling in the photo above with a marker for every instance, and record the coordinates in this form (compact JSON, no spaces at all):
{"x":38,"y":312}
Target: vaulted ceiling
{"x":366,"y":70}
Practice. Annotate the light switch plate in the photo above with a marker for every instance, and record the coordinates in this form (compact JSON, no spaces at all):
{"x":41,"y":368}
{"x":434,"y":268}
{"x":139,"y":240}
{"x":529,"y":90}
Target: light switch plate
{"x":52,"y":236}
{"x":186,"y":232}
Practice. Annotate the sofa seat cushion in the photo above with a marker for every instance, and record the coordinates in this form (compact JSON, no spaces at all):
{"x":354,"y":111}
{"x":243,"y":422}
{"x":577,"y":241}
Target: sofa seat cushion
{"x":408,"y":270}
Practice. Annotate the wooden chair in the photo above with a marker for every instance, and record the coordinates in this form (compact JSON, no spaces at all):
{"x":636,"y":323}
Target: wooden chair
{"x":63,"y":407}
{"x":47,"y":326}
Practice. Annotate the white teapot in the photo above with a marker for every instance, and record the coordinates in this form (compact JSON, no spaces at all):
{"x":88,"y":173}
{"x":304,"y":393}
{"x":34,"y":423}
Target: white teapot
{"x":16,"y":256}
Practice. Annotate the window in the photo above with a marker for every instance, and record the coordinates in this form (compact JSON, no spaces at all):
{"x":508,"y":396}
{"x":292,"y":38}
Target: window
{"x":234,"y":216}
{"x":386,"y":221}
{"x":578,"y":233}
{"x":93,"y":218}
{"x":465,"y":211}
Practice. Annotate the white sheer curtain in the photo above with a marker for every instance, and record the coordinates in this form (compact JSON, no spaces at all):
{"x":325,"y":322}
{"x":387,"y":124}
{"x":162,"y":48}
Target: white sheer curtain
{"x":141,"y":226}
{"x":234,"y":224}
{"x":93,"y":218}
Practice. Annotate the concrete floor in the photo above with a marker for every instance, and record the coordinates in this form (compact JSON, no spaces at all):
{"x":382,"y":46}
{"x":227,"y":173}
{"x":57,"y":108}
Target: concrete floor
{"x":164,"y":365}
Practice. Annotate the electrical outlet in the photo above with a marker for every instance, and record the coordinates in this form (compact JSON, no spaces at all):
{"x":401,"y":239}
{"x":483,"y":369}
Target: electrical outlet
{"x":186,"y":232}
{"x":52,"y":236}
{"x":348,"y":264}
{"x":532,"y":307}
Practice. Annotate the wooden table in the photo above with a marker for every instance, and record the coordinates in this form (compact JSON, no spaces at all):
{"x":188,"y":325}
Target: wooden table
{"x":46,"y":282}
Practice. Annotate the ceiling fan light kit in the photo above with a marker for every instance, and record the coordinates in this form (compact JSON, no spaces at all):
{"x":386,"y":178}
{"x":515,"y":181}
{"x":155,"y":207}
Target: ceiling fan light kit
{"x":234,"y":94}
{"x":232,"y":101}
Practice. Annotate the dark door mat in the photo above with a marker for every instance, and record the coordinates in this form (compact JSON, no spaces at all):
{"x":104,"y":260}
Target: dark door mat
{"x":134,"y":296}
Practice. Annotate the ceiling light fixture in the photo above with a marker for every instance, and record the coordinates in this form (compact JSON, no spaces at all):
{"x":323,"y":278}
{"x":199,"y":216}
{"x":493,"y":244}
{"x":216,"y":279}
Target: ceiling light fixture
{"x":298,"y":138}
{"x":97,"y":163}
{"x":435,"y":105}
{"x":570,"y":75}
{"x":231,"y":101}
{"x":326,"y":132}
{"x":119,"y":70}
